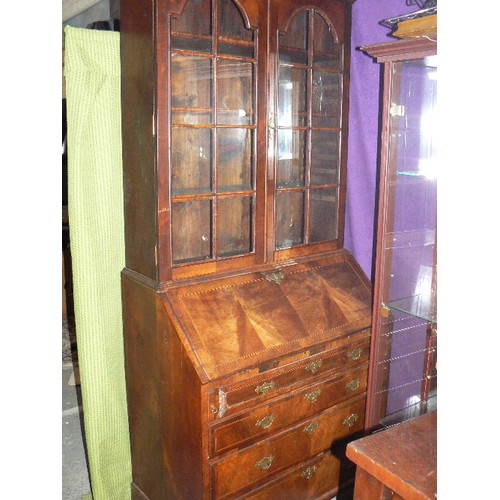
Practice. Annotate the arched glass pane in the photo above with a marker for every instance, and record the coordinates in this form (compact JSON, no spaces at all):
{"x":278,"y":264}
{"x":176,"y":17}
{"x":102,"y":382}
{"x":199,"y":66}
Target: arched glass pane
{"x":326,"y":52}
{"x":192,"y":30}
{"x":293,"y":44}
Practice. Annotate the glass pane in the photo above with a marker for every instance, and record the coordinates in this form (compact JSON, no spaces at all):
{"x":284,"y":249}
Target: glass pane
{"x":324,"y":215}
{"x":191,"y":160}
{"x":289,"y":219}
{"x":291,"y":158}
{"x":293,"y":44}
{"x":234,"y":38}
{"x":234,"y":225}
{"x":235,"y":93}
{"x":416,"y":105}
{"x":326,"y":53}
{"x":415,"y":203}
{"x":406,"y":381}
{"x":234,"y":159}
{"x":192,"y":30}
{"x":292,"y":110}
{"x":326,"y":99}
{"x":188,"y":43}
{"x":191,"y":230}
{"x":324,"y":157}
{"x":231,"y":22}
{"x":191,"y":89}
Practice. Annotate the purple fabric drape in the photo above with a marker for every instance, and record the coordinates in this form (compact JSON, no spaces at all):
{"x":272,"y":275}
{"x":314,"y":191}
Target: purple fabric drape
{"x":364,"y":125}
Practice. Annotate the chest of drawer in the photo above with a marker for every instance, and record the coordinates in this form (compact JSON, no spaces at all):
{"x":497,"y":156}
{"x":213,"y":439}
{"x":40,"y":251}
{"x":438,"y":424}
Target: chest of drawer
{"x":262,"y":460}
{"x":267,"y":419}
{"x":312,"y":480}
{"x":232,"y":398}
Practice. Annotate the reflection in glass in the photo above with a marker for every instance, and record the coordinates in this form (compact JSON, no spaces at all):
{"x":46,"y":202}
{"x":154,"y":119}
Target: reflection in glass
{"x":191,"y":86}
{"x":291,"y":158}
{"x":326,"y":52}
{"x":406,"y":382}
{"x":235,"y":93}
{"x":191,"y":160}
{"x":234,"y":225}
{"x":293,"y":44}
{"x":191,"y":223}
{"x":309,"y":122}
{"x":326,"y":99}
{"x":289,"y":218}
{"x":195,"y":18}
{"x":325,"y":157}
{"x":234,"y":157}
{"x":292,"y":99}
{"x":324,"y":215}
{"x":231,"y":23}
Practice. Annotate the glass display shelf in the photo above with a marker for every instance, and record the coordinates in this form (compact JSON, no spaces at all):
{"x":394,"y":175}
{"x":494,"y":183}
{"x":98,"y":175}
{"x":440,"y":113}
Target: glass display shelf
{"x":421,"y":306}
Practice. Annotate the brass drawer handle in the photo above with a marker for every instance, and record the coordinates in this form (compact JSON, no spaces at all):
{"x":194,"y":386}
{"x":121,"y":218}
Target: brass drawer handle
{"x":265,"y":422}
{"x":353,"y":385}
{"x":314,"y":366}
{"x":313,"y":396}
{"x":355,"y":354}
{"x":265,"y":463}
{"x":311,"y":428}
{"x":309,"y":472}
{"x":351,"y":419}
{"x":265,"y":387}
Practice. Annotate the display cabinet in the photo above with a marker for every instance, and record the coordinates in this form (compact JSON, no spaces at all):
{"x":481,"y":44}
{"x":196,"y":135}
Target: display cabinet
{"x":246,"y":322}
{"x":403,"y":363}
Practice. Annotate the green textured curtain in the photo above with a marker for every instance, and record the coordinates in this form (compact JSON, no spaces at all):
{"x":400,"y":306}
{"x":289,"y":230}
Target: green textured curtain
{"x":95,"y":207}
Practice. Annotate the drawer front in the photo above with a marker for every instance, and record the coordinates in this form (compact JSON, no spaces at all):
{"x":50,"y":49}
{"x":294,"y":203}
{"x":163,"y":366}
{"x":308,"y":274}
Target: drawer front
{"x":261,"y":461}
{"x":312,"y":480}
{"x":230,"y":399}
{"x":266,"y":419}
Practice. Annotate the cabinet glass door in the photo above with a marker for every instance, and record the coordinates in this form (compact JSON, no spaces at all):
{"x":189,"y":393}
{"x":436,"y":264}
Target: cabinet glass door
{"x":405,"y":374}
{"x":213,"y":87}
{"x":308,"y":125}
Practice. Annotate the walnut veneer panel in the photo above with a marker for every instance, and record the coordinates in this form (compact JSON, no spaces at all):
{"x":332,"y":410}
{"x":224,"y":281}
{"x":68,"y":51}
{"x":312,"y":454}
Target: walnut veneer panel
{"x":285,"y":375}
{"x":268,"y":419}
{"x":235,"y":323}
{"x":267,"y":457}
{"x":310,"y":481}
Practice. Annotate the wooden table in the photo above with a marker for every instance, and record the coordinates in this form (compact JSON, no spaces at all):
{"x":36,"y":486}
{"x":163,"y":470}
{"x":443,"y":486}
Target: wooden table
{"x":399,"y":462}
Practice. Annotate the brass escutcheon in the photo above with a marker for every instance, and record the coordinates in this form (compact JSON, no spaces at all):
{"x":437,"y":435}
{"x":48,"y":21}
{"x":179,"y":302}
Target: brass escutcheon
{"x":274,"y":276}
{"x":265,"y":422}
{"x":353,"y":384}
{"x":351,"y":420}
{"x":265,"y":463}
{"x":312,"y":396}
{"x":314,"y":366}
{"x":271,"y":125}
{"x":265,"y":387}
{"x":309,"y":472}
{"x":311,"y":428}
{"x":355,"y":354}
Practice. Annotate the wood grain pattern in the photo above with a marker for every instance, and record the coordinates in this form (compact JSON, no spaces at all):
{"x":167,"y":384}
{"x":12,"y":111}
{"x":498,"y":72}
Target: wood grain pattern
{"x":402,"y":458}
{"x":253,"y":320}
{"x":212,"y":346}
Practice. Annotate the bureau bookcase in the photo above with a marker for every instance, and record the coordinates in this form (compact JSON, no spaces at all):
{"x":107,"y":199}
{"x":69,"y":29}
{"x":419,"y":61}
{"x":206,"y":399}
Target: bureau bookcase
{"x":246,"y":322}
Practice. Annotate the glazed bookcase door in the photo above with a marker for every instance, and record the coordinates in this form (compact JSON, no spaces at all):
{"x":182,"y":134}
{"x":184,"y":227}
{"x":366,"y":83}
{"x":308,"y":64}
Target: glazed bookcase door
{"x":213,"y":134}
{"x":404,"y":349}
{"x":306,"y":128}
